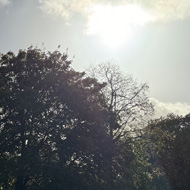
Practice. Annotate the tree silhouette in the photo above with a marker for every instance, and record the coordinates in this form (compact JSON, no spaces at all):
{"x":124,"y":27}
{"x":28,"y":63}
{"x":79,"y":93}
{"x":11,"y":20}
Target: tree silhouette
{"x":126,"y":101}
{"x":52,"y":132}
{"x":170,"y":137}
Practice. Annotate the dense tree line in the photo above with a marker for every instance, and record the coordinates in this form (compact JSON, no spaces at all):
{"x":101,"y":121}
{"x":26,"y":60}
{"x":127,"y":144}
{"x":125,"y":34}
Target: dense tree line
{"x":63,"y":129}
{"x":171,"y":146}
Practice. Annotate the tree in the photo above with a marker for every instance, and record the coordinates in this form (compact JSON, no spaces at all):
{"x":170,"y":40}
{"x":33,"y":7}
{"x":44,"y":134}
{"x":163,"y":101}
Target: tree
{"x":128,"y":107}
{"x":52,"y":132}
{"x":170,"y":137}
{"x":126,"y":101}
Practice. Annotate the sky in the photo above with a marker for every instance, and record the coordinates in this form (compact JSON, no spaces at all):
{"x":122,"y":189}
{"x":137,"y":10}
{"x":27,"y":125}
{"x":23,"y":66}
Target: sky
{"x":146,"y":38}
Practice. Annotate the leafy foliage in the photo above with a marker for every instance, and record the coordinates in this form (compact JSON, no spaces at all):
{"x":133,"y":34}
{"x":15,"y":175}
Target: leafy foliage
{"x":170,"y":137}
{"x":62,"y":130}
{"x":52,"y":124}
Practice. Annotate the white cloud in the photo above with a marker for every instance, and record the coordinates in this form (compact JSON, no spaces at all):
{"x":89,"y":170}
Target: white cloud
{"x":164,"y":108}
{"x":57,"y":7}
{"x":4,"y":3}
{"x":170,"y":9}
{"x":64,"y":8}
{"x":162,"y":10}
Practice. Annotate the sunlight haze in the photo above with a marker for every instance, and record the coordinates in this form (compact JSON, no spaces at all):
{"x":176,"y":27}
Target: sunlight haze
{"x":116,"y":24}
{"x":148,"y":39}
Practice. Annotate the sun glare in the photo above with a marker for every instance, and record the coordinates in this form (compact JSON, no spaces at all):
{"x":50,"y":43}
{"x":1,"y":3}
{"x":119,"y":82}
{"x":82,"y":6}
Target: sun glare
{"x":116,"y":24}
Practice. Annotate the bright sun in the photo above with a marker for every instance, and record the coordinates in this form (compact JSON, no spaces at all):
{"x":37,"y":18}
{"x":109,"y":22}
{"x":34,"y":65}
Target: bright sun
{"x":116,"y":24}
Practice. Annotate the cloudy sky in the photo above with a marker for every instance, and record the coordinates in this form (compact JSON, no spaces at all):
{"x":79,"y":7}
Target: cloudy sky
{"x":149,"y":39}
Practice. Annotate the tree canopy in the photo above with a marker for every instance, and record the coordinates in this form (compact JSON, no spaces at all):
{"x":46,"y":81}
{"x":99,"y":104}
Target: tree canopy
{"x":61,"y":129}
{"x":52,"y":124}
{"x":126,"y":101}
{"x":170,"y":137}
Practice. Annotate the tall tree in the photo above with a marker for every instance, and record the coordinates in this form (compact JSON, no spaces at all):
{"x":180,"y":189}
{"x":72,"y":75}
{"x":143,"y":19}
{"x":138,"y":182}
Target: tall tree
{"x":52,"y":132}
{"x":126,"y":101}
{"x":128,"y":107}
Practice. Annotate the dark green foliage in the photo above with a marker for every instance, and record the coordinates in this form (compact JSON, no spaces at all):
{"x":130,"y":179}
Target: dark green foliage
{"x":62,"y":130}
{"x":52,"y":132}
{"x":171,"y":139}
{"x":138,"y":170}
